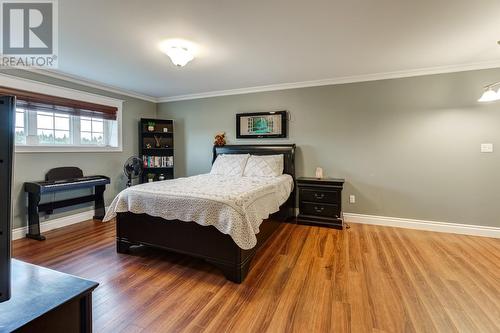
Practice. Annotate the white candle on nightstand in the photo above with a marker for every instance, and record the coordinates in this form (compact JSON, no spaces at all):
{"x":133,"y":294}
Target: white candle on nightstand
{"x":319,"y":173}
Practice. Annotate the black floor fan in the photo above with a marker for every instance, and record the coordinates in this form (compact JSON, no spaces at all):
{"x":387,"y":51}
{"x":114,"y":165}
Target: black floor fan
{"x":132,"y":169}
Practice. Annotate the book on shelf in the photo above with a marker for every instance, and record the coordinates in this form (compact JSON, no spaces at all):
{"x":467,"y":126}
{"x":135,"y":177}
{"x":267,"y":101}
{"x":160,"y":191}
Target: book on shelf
{"x":158,"y":161}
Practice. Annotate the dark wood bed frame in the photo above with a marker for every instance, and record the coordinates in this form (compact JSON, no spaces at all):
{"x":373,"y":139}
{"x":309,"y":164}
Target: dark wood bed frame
{"x":207,"y":242}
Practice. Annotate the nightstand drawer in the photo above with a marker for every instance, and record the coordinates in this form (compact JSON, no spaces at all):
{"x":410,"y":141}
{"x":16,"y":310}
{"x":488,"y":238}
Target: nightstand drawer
{"x":320,"y":202}
{"x":317,"y":209}
{"x":319,"y":195}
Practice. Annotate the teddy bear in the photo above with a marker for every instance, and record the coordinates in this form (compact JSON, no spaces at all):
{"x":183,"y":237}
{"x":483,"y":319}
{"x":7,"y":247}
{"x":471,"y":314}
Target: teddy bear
{"x":220,"y":139}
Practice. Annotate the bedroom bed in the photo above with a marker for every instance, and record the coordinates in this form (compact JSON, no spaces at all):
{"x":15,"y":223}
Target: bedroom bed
{"x":142,"y":218}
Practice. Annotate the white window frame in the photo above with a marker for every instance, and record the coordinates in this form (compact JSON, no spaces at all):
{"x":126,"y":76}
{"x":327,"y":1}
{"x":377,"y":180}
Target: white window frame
{"x":53,"y":90}
{"x":104,"y":127}
{"x":32,"y":134}
{"x":25,"y":125}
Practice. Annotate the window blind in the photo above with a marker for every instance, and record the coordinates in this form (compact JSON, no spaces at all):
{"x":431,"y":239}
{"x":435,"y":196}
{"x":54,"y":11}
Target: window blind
{"x":47,"y":103}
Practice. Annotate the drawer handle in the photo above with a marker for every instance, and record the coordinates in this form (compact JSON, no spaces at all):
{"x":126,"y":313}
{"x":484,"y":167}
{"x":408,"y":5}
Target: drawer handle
{"x":319,"y":196}
{"x":318,"y":209}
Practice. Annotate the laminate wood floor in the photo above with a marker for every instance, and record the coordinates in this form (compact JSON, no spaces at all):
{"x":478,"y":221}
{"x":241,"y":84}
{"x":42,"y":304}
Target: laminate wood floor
{"x":306,"y":279}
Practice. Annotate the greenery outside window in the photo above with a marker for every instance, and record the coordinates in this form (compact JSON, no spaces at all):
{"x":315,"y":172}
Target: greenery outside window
{"x":49,"y":125}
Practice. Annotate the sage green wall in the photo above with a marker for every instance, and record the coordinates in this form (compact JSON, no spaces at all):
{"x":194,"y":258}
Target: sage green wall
{"x":33,"y":166}
{"x":407,"y":147}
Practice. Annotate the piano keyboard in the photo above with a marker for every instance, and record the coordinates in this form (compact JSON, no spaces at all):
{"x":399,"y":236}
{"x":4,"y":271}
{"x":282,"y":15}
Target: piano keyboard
{"x":63,"y":179}
{"x":62,"y":183}
{"x":66,"y":184}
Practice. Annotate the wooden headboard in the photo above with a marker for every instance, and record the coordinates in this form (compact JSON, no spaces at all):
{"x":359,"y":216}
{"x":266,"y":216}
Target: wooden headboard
{"x":288,"y":152}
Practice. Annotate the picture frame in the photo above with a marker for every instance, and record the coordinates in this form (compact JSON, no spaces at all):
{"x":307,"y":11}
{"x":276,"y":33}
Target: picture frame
{"x":261,"y":125}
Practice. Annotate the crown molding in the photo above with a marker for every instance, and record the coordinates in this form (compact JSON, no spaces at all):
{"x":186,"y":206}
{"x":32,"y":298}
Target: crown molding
{"x":333,"y":81}
{"x":272,"y":87}
{"x":90,"y":83}
{"x":16,"y":82}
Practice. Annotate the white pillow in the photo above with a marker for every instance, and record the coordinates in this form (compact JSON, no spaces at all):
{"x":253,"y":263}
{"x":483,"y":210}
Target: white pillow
{"x":264,"y":166}
{"x":229,"y":164}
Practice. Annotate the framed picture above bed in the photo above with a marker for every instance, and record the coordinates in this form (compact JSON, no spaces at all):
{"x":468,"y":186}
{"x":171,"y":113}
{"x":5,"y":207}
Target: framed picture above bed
{"x":258,"y":125}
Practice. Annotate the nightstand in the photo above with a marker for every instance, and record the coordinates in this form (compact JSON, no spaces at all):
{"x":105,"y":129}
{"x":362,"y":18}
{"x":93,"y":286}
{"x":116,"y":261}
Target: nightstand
{"x":320,"y":201}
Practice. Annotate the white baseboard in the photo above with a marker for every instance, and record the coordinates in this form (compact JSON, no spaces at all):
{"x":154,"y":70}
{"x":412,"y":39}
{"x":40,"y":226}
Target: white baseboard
{"x":55,"y":223}
{"x":454,"y":228}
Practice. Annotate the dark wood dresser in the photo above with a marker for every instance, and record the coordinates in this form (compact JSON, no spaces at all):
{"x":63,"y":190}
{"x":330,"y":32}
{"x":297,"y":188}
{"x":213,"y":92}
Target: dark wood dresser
{"x":43,"y":300}
{"x":320,"y":201}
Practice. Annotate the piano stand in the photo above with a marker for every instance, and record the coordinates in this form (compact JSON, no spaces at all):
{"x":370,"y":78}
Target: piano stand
{"x":38,"y":237}
{"x":62,"y":179}
{"x":34,"y":208}
{"x":33,"y":218}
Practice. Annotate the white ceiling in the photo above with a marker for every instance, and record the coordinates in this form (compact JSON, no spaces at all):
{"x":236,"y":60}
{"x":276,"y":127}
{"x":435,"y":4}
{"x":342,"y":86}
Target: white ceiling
{"x":264,"y":42}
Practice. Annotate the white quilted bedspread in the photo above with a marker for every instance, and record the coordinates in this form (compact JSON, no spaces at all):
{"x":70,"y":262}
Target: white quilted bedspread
{"x":234,"y":205}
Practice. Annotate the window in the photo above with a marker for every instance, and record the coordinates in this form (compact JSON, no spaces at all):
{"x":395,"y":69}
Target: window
{"x":20,"y":126}
{"x":36,"y":126}
{"x":92,"y":131}
{"x":52,"y":128}
{"x":58,"y":119}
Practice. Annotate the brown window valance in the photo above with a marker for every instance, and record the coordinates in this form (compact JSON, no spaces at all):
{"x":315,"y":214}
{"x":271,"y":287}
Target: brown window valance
{"x":50,"y":103}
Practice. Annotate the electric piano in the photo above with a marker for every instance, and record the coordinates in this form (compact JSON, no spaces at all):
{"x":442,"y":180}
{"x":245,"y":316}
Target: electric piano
{"x":62,"y":179}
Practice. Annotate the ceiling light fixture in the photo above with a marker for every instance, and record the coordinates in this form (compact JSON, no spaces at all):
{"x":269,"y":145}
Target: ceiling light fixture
{"x":179,"y":51}
{"x":180,"y":56}
{"x":489,"y":94}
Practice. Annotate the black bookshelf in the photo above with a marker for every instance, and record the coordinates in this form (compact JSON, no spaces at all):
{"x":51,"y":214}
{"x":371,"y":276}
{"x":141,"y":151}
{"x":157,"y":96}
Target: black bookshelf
{"x":156,"y":148}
